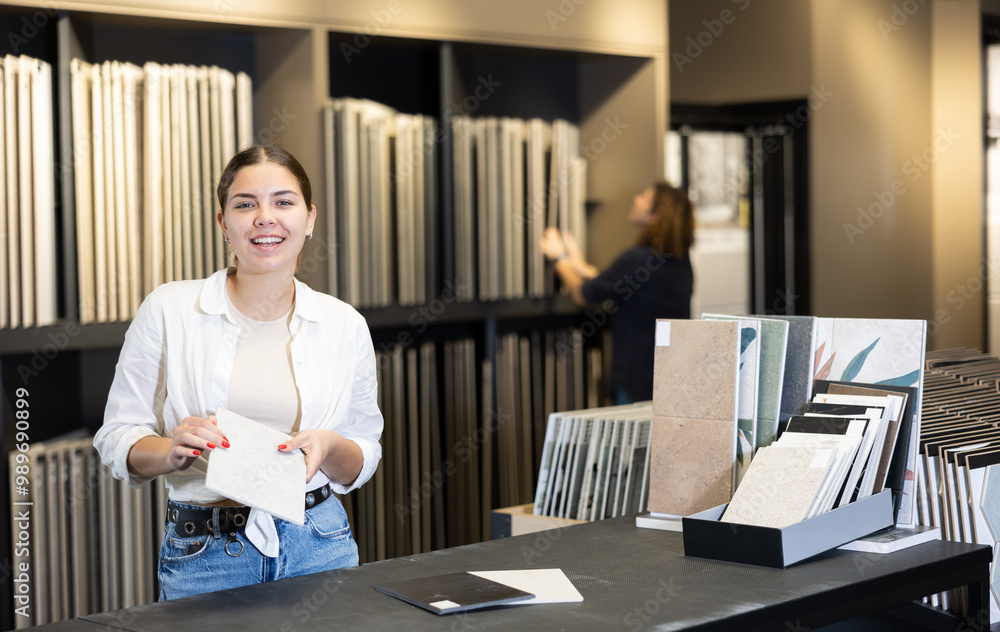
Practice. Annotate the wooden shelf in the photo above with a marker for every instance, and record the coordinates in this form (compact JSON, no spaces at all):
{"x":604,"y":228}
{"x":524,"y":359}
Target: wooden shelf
{"x":65,"y":335}
{"x":439,"y":312}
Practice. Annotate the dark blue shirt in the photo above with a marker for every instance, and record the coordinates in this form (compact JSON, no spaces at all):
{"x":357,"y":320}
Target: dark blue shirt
{"x":639,"y":287}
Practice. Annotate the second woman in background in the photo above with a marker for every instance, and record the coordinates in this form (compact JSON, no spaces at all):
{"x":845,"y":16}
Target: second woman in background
{"x":650,"y":280}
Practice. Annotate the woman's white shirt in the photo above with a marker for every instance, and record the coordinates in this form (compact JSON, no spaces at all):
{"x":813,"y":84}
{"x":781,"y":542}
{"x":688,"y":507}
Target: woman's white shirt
{"x":177,"y":362}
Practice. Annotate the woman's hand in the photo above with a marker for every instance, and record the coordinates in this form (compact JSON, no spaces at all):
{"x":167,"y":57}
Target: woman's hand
{"x":194,"y":435}
{"x":340,"y":458}
{"x":575,"y":256}
{"x":552,"y":245}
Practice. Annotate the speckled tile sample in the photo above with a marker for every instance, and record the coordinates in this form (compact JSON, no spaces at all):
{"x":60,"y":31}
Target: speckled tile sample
{"x":254,"y":472}
{"x":780,"y":486}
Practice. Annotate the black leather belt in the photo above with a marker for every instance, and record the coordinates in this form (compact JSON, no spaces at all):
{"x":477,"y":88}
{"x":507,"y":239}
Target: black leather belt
{"x":192,"y":523}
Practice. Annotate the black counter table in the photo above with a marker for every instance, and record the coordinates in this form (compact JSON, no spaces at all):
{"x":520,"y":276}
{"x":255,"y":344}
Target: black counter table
{"x":630,"y":578}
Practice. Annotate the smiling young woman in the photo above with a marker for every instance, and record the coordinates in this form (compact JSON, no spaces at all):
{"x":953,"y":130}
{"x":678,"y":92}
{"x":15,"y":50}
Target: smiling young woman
{"x":256,"y":341}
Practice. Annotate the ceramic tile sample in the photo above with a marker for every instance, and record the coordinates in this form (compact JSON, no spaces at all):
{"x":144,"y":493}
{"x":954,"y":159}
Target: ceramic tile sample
{"x":691,"y":468}
{"x":746,"y":394}
{"x":694,"y":373}
{"x":693,"y":443}
{"x":254,"y":472}
{"x":770,"y":379}
{"x":780,"y":485}
{"x":796,"y":388}
{"x":877,"y":351}
{"x":990,"y":502}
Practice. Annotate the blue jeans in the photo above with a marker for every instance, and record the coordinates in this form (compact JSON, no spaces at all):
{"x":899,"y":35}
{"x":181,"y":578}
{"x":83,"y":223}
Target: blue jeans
{"x":191,"y":566}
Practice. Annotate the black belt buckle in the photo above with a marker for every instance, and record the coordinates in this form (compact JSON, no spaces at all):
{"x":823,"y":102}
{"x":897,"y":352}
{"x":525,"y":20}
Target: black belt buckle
{"x":317,"y":496}
{"x":192,"y":523}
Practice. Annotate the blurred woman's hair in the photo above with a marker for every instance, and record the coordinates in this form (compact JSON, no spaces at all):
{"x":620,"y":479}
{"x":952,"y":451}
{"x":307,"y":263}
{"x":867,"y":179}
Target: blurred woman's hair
{"x":671,"y":230}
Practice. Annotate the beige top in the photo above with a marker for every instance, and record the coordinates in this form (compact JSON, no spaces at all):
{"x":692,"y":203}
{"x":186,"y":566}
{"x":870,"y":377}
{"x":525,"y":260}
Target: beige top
{"x":262,"y":387}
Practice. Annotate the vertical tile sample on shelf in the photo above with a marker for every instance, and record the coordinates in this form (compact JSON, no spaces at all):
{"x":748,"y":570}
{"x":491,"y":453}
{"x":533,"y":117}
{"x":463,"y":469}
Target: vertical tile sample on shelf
{"x":693,"y":443}
{"x":748,"y":392}
{"x":11,"y":147}
{"x":796,"y":387}
{"x":877,"y":351}
{"x":43,"y":179}
{"x":4,"y":292}
{"x":771,"y":379}
{"x":989,"y":505}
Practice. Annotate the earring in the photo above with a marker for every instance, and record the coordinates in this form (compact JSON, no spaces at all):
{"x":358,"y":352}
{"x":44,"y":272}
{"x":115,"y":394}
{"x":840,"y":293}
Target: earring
{"x":227,"y":239}
{"x":309,"y":236}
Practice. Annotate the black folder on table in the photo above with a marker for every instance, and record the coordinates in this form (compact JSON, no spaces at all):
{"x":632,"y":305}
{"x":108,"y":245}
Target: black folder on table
{"x":454,"y":592}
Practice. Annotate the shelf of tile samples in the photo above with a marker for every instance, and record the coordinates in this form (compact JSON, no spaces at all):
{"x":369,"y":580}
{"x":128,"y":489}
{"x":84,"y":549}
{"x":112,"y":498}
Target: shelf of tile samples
{"x":92,"y":541}
{"x":463,"y":435}
{"x":150,"y":143}
{"x":27,"y":194}
{"x":513,"y":178}
{"x":959,"y":448}
{"x":381,"y":180}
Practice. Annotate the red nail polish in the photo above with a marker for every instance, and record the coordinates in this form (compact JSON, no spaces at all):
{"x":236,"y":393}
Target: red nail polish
{"x":211,"y":446}
{"x":197,"y":452}
{"x":282,"y":447}
{"x":225,"y":444}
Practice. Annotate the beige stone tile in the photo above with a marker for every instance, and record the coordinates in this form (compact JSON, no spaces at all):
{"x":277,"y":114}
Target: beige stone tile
{"x":695,"y":376}
{"x":691,"y":464}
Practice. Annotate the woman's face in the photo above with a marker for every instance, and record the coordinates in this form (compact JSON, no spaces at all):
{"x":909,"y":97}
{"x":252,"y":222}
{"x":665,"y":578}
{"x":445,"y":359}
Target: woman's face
{"x":642,"y":208}
{"x":266,"y":220}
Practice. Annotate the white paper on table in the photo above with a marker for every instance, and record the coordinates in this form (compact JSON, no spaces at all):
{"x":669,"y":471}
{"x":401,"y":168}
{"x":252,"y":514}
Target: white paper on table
{"x":548,"y":585}
{"x":253,"y":472}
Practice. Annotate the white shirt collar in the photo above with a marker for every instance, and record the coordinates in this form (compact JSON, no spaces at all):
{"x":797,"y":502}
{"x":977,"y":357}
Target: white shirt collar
{"x":212,"y":299}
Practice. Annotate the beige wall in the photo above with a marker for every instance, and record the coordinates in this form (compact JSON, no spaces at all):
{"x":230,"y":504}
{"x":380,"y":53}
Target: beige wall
{"x":588,"y":25}
{"x":958,"y":177}
{"x":874,"y":262}
{"x":761,"y":55}
{"x":896,"y":156}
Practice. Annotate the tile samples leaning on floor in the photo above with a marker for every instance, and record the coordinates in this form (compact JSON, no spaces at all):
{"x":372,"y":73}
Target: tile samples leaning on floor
{"x":595,"y":463}
{"x":959,"y":465}
{"x":463,"y":435}
{"x":91,"y":541}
